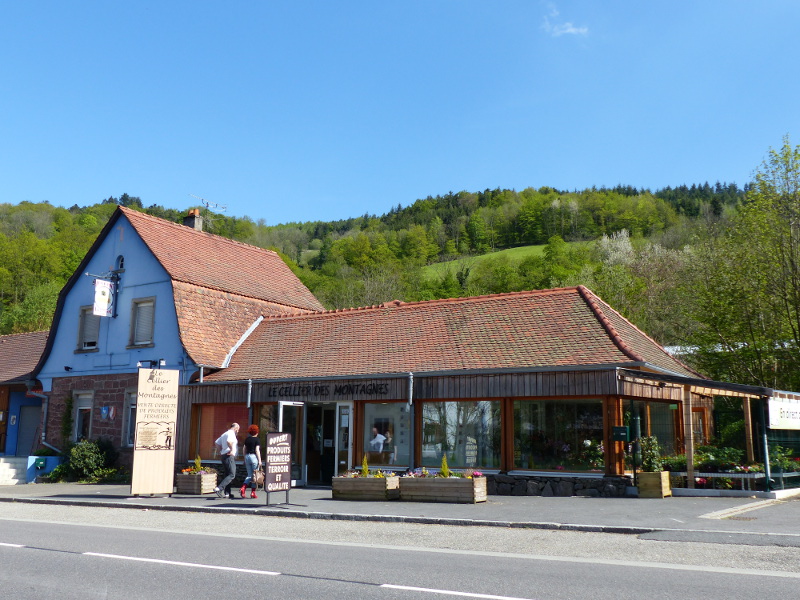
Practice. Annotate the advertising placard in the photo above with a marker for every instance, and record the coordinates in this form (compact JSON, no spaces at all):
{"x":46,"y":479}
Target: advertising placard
{"x":154,"y":445}
{"x":278,"y":477}
{"x":103,"y":298}
{"x":784,"y":414}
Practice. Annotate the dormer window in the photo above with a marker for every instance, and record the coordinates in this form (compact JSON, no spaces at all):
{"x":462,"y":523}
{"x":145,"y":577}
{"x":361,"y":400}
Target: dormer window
{"x":142,"y":321}
{"x":88,"y":330}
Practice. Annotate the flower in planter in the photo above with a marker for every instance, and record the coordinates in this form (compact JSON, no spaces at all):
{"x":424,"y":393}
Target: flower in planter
{"x":365,"y":472}
{"x":197,"y":468}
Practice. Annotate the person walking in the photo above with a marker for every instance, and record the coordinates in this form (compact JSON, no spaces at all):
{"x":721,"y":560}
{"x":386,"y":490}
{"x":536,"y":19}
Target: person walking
{"x":252,"y":459}
{"x":227,"y":445}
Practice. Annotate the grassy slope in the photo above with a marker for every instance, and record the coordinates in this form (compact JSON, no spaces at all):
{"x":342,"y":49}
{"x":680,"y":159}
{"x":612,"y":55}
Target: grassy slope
{"x":514,"y":254}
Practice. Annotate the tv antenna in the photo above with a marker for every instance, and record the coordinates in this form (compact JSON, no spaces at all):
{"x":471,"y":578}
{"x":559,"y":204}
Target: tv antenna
{"x":209,"y":205}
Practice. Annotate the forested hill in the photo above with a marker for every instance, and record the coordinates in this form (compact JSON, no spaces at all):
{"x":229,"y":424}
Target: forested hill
{"x":713,"y":268}
{"x":369,"y":259}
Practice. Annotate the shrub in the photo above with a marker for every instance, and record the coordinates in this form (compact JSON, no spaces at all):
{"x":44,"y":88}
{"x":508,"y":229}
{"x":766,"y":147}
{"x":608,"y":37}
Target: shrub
{"x":85,"y":459}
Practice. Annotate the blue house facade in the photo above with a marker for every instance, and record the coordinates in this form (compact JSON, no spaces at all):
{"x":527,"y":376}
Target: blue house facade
{"x":151,"y":293}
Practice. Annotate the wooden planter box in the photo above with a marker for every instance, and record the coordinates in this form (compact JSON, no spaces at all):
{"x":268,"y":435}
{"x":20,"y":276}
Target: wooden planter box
{"x":186,"y":483}
{"x":365,"y":488}
{"x":439,"y":489}
{"x":654,"y":485}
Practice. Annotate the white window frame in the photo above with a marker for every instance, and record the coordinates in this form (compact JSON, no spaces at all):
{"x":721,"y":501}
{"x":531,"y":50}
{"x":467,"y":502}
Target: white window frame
{"x":86,"y":323}
{"x":142,"y":333}
{"x":83,"y":405}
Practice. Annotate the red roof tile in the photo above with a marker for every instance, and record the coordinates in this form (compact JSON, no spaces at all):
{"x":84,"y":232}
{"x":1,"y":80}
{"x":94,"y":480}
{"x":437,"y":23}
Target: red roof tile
{"x":19,"y":354}
{"x":215,"y":262}
{"x":212,"y":322}
{"x":568,"y":327}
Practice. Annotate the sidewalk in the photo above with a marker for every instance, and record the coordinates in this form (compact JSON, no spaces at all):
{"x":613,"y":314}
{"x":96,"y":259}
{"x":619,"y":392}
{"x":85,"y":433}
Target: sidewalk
{"x":612,"y":515}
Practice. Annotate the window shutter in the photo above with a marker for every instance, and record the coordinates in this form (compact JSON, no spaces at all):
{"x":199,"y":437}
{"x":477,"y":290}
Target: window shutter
{"x":143,"y":331}
{"x":91,"y":329}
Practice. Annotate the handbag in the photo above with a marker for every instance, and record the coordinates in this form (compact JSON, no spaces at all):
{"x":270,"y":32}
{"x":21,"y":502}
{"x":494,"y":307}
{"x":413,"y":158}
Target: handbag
{"x":258,"y":477}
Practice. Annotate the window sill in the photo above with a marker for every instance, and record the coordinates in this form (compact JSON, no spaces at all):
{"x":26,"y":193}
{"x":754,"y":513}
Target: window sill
{"x":86,"y":350}
{"x":136,"y":346}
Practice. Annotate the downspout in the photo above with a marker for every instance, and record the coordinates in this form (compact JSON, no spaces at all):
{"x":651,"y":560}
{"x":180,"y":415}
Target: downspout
{"x":45,"y":405}
{"x":411,"y":443}
{"x":249,"y":397}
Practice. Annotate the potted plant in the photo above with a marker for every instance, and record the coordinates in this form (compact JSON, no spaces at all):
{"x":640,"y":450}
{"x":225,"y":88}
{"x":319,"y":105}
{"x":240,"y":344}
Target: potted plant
{"x":445,"y":486}
{"x":363,"y":484}
{"x":196,"y":479}
{"x":653,"y":480}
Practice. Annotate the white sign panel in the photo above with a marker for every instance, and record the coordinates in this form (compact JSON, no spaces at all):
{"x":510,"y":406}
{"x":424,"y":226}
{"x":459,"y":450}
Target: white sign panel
{"x":784,"y":414}
{"x":103,"y":298}
{"x":154,"y":445}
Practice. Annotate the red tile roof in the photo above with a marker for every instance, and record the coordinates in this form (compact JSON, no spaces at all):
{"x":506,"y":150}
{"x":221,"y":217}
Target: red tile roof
{"x":221,"y":287}
{"x":212,"y":322}
{"x":218,"y":263}
{"x":568,"y":327}
{"x":19,"y":355}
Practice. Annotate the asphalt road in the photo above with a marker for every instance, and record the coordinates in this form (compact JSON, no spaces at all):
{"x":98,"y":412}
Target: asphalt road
{"x":96,"y":552}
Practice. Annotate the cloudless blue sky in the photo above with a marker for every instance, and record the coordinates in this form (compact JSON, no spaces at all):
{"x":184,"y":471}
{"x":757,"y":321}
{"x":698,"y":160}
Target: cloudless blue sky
{"x":322,"y":110}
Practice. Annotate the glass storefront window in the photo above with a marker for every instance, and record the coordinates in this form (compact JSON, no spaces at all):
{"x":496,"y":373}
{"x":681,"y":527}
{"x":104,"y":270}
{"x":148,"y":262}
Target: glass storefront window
{"x":387,"y":434}
{"x":559,"y":435}
{"x":215,"y":419}
{"x":469,"y":432}
{"x":656,"y":419}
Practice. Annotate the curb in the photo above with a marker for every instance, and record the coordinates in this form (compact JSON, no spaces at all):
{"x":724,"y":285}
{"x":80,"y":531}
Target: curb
{"x":297,"y":514}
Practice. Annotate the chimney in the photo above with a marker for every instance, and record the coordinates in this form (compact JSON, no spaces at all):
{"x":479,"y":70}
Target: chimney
{"x":194,"y":220}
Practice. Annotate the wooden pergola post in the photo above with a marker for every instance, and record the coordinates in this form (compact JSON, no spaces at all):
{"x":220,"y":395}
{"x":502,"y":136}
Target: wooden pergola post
{"x":688,"y":435}
{"x":614,"y":451}
{"x":748,"y":430}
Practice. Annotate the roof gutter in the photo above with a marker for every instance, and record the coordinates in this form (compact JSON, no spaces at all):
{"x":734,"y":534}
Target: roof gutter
{"x":442,"y":373}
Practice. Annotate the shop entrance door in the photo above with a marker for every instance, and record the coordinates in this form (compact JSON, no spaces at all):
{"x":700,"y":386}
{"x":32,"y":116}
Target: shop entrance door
{"x":321,"y":443}
{"x":290,"y":420}
{"x":344,"y":446}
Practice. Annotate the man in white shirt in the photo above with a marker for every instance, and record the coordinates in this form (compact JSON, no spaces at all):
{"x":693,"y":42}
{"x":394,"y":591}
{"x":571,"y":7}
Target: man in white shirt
{"x":227,"y":444}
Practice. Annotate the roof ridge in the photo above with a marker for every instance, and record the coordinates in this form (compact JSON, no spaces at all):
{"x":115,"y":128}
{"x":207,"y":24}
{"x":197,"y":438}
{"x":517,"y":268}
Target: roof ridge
{"x":436,"y":302}
{"x":593,"y":301}
{"x":128,"y":211}
{"x":7,"y":335}
{"x":586,"y":292}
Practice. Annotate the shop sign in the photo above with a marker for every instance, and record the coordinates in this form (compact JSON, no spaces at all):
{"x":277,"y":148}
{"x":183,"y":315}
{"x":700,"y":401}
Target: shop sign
{"x":154,"y":447}
{"x":329,"y":390}
{"x":278,"y":462}
{"x":784,"y":414}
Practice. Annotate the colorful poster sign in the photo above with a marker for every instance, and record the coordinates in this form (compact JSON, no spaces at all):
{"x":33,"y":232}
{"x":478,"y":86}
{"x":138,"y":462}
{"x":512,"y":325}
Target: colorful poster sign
{"x":103,"y":298}
{"x":154,"y":445}
{"x":278,"y":463}
{"x":784,"y":414}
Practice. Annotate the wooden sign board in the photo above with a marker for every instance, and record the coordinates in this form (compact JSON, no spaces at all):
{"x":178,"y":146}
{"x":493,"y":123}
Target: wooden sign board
{"x":278,"y":462}
{"x":154,"y":446}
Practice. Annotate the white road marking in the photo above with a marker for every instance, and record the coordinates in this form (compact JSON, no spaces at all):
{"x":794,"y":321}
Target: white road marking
{"x":180,"y":564}
{"x":450,"y":592}
{"x":12,"y":545}
{"x":737,"y":510}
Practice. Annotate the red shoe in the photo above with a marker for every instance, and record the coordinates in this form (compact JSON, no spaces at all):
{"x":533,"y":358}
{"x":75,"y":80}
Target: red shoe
{"x":253,"y":494}
{"x":241,"y":491}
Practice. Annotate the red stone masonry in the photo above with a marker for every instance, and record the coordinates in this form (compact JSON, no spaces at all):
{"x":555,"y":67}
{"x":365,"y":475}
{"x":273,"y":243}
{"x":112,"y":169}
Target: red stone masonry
{"x":109,"y":390}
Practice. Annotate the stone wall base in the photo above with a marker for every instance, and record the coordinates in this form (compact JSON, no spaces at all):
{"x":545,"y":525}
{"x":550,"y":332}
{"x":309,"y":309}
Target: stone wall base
{"x":558,"y":485}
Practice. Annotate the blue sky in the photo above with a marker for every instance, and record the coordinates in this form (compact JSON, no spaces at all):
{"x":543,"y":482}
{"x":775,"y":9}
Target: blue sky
{"x":299,"y":111}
